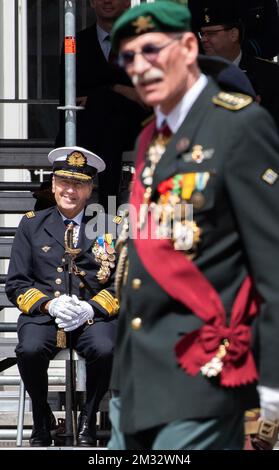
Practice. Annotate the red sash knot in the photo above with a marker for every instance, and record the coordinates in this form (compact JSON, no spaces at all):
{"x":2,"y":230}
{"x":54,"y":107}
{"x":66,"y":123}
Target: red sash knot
{"x":216,"y":349}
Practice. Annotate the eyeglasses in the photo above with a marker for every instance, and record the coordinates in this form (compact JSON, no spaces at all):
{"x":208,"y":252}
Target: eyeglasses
{"x":149,"y":51}
{"x":211,"y":33}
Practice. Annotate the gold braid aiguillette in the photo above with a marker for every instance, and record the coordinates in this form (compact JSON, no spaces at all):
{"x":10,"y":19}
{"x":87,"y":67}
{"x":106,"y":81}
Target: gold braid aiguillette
{"x":61,"y":339}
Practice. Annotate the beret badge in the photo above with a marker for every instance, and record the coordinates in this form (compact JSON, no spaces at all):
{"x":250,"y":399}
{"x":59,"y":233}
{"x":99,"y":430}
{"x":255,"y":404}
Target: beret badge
{"x":143,"y":24}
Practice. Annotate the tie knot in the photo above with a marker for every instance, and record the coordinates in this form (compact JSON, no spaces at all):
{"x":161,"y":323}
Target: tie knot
{"x":164,"y":129}
{"x":69,"y":221}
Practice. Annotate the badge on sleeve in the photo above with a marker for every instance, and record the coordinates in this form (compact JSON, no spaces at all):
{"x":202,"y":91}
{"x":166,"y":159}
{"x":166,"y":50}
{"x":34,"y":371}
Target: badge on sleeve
{"x":46,"y":248}
{"x":270,"y":176}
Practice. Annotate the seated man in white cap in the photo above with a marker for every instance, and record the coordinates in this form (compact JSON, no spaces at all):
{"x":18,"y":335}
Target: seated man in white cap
{"x":38,"y":284}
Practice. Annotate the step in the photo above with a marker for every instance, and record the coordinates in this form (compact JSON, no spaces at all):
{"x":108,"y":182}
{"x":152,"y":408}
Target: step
{"x":8,"y":419}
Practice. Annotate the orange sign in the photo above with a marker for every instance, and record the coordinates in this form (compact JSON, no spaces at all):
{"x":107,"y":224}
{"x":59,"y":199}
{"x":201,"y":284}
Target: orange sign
{"x":70,"y":45}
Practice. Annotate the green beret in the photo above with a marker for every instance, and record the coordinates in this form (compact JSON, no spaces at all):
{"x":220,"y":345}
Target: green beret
{"x":165,"y":16}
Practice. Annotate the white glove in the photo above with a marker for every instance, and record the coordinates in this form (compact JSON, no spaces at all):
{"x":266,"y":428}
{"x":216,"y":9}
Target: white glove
{"x":269,"y":401}
{"x":84,"y":312}
{"x":63,"y":308}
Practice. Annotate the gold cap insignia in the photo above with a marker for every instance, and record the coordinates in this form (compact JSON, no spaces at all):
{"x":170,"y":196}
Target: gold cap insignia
{"x":46,"y":248}
{"x":207,"y":18}
{"x":270,"y":176}
{"x":76,"y":159}
{"x":142,"y":24}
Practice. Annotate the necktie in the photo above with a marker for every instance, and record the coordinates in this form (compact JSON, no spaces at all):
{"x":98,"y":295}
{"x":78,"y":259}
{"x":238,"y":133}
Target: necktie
{"x":164,"y":130}
{"x":112,"y":57}
{"x":69,"y":221}
{"x":75,"y":230}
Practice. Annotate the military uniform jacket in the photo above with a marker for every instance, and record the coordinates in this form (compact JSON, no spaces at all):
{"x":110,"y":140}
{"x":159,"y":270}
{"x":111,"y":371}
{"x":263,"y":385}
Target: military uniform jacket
{"x":38,"y":272}
{"x":263,"y":75}
{"x":239,"y":224}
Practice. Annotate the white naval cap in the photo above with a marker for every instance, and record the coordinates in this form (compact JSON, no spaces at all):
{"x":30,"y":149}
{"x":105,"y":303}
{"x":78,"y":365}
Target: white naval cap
{"x":75,"y":163}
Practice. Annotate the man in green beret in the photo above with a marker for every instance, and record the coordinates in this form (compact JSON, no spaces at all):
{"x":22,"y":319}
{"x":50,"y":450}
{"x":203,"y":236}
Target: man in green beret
{"x":203,"y":251}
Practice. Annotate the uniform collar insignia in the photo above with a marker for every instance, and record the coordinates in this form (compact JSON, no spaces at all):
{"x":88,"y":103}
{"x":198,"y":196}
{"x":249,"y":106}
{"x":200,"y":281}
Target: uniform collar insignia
{"x":117,"y":219}
{"x":46,"y":248}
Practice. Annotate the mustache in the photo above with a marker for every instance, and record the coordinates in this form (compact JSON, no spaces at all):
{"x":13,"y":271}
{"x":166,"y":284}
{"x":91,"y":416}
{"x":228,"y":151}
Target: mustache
{"x":153,"y":74}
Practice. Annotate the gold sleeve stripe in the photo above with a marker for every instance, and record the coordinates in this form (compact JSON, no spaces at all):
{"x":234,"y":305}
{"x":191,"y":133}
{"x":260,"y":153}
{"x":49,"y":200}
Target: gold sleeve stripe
{"x":107,"y":301}
{"x":28,"y":299}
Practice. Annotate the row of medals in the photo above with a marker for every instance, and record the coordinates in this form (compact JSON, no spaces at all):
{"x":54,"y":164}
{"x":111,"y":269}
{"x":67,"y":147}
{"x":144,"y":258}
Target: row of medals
{"x":105,"y":256}
{"x":170,"y":217}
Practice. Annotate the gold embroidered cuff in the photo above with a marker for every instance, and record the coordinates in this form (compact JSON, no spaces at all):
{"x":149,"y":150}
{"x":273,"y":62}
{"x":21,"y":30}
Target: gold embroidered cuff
{"x":107,"y":301}
{"x":28,"y":299}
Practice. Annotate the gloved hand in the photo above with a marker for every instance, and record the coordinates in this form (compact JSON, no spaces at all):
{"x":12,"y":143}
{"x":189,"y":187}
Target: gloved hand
{"x":84,"y":312}
{"x":63,"y":308}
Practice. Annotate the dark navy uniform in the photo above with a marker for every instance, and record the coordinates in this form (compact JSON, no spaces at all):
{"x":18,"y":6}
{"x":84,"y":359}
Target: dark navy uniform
{"x":38,"y":273}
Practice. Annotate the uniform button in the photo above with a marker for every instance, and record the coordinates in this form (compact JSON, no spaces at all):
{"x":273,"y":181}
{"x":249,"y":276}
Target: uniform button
{"x":59,"y":269}
{"x":57,"y":293}
{"x":136,"y":283}
{"x":82,"y":273}
{"x":58,"y":281}
{"x":136,"y":323}
{"x":81,"y":285}
{"x":63,"y":260}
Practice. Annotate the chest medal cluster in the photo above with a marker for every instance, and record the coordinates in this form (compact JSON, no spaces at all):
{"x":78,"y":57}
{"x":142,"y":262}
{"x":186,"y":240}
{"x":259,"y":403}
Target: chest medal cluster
{"x":154,"y":154}
{"x":104,"y":253}
{"x":177,"y":196}
{"x":173,"y":210}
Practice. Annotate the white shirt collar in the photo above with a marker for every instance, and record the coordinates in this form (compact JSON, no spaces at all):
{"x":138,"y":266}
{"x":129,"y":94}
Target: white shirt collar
{"x":175,"y":118}
{"x":77,"y":218}
{"x":102,"y":34}
{"x":237,"y":60}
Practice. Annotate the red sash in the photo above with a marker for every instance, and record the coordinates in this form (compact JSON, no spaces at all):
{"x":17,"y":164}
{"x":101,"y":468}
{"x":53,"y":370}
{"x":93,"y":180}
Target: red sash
{"x":184,"y":282}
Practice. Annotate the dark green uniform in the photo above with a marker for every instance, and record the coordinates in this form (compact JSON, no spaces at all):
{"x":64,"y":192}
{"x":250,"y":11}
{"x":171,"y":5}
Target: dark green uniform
{"x":239,"y":223}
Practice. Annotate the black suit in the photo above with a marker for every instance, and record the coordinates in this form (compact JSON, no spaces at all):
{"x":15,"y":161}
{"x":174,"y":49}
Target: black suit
{"x":110,"y":122}
{"x":240,"y":226}
{"x":37,"y":262}
{"x":264,"y":76}
{"x":260,"y":18}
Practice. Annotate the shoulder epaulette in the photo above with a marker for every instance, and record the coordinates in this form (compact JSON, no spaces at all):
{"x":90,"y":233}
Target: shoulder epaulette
{"x":30,"y":214}
{"x":117,"y":219}
{"x":232,"y":101}
{"x":147,"y":120}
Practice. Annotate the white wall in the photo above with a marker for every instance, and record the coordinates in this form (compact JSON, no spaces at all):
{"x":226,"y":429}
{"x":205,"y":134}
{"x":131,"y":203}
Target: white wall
{"x":13,"y":117}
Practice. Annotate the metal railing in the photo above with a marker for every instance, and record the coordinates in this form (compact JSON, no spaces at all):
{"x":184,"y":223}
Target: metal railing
{"x":37,"y":95}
